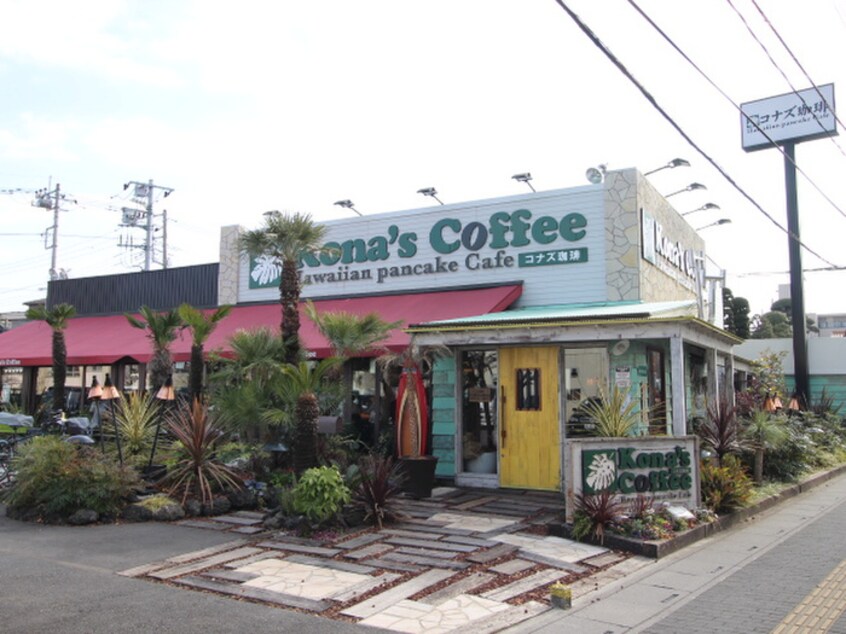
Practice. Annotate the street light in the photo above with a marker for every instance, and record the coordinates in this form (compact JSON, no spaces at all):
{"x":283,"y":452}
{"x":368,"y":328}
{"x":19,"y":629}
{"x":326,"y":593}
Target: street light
{"x":430,"y":191}
{"x":721,"y":221}
{"x":347,"y":204}
{"x":676,"y":162}
{"x":704,"y":207}
{"x":524,"y":178}
{"x":689,"y":188}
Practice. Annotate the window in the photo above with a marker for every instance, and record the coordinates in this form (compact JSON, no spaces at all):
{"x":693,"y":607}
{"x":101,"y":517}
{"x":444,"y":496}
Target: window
{"x":479,"y":414}
{"x":528,"y":389}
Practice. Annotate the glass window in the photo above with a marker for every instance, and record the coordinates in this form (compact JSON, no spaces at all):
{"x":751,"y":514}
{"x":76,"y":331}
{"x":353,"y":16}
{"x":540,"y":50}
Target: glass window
{"x":528,"y":389}
{"x":479,"y":371}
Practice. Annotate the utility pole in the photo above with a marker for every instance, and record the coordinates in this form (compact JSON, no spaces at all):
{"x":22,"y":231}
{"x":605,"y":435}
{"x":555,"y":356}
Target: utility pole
{"x":51,"y":199}
{"x":145,"y":193}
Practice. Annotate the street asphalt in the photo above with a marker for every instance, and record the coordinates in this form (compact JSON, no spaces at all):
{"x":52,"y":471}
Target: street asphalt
{"x":63,"y":580}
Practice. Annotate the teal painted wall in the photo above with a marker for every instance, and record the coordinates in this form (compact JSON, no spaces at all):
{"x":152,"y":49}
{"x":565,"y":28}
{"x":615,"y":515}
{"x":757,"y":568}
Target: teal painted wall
{"x":834,"y":384}
{"x":443,"y":416}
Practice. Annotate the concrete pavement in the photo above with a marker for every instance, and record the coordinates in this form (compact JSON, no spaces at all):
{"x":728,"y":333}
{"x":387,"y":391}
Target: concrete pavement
{"x":783,"y":569}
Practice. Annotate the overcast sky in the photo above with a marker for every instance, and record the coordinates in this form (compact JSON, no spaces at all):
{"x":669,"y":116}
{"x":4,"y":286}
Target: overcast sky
{"x":250,"y":106}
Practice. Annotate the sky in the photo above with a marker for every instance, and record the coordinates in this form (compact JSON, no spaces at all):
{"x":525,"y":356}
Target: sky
{"x":241,"y":108}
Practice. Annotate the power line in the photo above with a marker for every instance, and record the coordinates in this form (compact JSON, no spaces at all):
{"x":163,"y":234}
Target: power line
{"x":804,"y":72}
{"x":737,"y":107}
{"x":648,"y":96}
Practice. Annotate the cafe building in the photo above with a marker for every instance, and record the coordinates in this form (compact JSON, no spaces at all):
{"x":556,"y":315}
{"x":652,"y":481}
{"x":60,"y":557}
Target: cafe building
{"x":546,"y":301}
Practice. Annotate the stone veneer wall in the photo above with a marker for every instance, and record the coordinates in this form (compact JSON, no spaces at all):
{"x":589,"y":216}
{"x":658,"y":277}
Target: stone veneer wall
{"x":657,"y":285}
{"x":227,"y":281}
{"x":443,"y":415}
{"x":622,"y":236}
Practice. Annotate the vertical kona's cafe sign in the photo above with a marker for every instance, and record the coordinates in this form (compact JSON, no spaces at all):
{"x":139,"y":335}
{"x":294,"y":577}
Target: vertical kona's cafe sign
{"x":665,"y":469}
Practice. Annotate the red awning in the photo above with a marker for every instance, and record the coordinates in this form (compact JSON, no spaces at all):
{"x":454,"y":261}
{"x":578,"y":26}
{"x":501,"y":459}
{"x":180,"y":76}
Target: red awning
{"x":105,"y":340}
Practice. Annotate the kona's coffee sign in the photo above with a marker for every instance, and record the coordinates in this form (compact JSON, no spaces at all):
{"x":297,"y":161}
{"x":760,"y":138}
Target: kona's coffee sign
{"x":664,"y":469}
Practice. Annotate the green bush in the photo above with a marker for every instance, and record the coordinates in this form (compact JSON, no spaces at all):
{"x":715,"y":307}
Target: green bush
{"x":727,"y":487}
{"x":815,"y":441}
{"x":320,"y":493}
{"x":56,"y":479}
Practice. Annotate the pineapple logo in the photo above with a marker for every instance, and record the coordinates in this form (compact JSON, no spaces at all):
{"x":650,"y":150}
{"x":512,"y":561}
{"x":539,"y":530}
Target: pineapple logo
{"x":599,"y":470}
{"x":266,"y":270}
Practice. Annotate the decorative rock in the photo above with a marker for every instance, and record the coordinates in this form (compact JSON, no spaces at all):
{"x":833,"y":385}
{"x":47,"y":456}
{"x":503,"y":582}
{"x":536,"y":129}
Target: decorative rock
{"x":219,"y":506}
{"x":193,"y":508}
{"x":169,"y":513}
{"x":83,"y":517}
{"x":137,"y":513}
{"x":243,"y":499}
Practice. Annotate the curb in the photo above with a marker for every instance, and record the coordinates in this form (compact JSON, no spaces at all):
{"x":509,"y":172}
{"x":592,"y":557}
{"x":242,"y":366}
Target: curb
{"x":658,"y":549}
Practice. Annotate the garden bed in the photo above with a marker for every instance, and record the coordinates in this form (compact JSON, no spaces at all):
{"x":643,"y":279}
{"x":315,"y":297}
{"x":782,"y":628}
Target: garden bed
{"x":661,"y":548}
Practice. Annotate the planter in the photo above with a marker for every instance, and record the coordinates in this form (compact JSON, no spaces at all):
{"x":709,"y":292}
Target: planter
{"x":484,"y":463}
{"x":418,"y":475}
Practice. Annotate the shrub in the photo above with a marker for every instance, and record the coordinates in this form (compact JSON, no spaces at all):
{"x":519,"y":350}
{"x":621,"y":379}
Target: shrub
{"x":725,"y":487}
{"x":55,"y":478}
{"x":320,"y":493}
{"x":378,"y":485}
{"x":197,"y":472}
{"x":595,"y":513}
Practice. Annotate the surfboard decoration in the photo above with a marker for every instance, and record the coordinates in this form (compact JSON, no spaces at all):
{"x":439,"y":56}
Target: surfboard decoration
{"x":412,"y":416}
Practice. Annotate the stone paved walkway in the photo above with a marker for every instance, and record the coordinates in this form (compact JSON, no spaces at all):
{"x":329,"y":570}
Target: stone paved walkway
{"x":460,"y":560}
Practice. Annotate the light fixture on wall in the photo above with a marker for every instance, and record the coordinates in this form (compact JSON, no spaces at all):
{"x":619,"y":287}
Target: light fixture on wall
{"x":705,"y":207}
{"x":689,"y":188}
{"x":676,"y":162}
{"x":525,"y":177}
{"x":430,"y":191}
{"x":347,"y":204}
{"x":596,"y":174}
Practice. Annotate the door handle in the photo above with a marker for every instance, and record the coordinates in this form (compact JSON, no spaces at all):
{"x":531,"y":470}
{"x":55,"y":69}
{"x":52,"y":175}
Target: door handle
{"x":502,"y":432}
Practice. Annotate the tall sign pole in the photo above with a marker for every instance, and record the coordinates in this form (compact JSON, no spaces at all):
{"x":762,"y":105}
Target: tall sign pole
{"x":801,"y":371}
{"x":784,"y":121}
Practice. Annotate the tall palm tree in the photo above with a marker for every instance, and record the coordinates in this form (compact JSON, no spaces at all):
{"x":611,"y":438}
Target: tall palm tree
{"x":161,"y":330}
{"x":57,"y":318}
{"x":201,"y":325}
{"x":284,"y":237}
{"x":302,"y":381}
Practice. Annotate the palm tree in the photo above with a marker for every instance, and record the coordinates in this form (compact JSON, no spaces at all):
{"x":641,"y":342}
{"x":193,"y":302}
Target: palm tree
{"x":349,"y":334}
{"x":57,"y":318}
{"x":246,"y":387}
{"x":161,"y":331}
{"x":201,"y":326}
{"x":764,"y":431}
{"x":302,"y":382}
{"x":284,"y":238}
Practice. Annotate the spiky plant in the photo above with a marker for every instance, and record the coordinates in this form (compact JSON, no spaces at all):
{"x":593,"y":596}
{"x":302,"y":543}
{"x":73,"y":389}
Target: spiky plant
{"x":198,"y":473}
{"x":720,"y":431}
{"x":761,"y":432}
{"x":597,"y":511}
{"x":614,"y":415}
{"x":378,"y":486}
{"x":136,"y":423}
{"x":57,"y":318}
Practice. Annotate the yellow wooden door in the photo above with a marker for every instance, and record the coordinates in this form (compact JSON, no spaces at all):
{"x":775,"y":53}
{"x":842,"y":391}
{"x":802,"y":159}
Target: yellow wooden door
{"x":529,"y":438}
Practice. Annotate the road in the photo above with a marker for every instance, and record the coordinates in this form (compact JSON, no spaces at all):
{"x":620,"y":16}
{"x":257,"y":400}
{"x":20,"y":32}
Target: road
{"x":62,"y":580}
{"x":782,"y":571}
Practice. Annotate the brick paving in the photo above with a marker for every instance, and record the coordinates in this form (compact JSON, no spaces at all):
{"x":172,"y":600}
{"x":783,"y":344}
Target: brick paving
{"x":459,"y":561}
